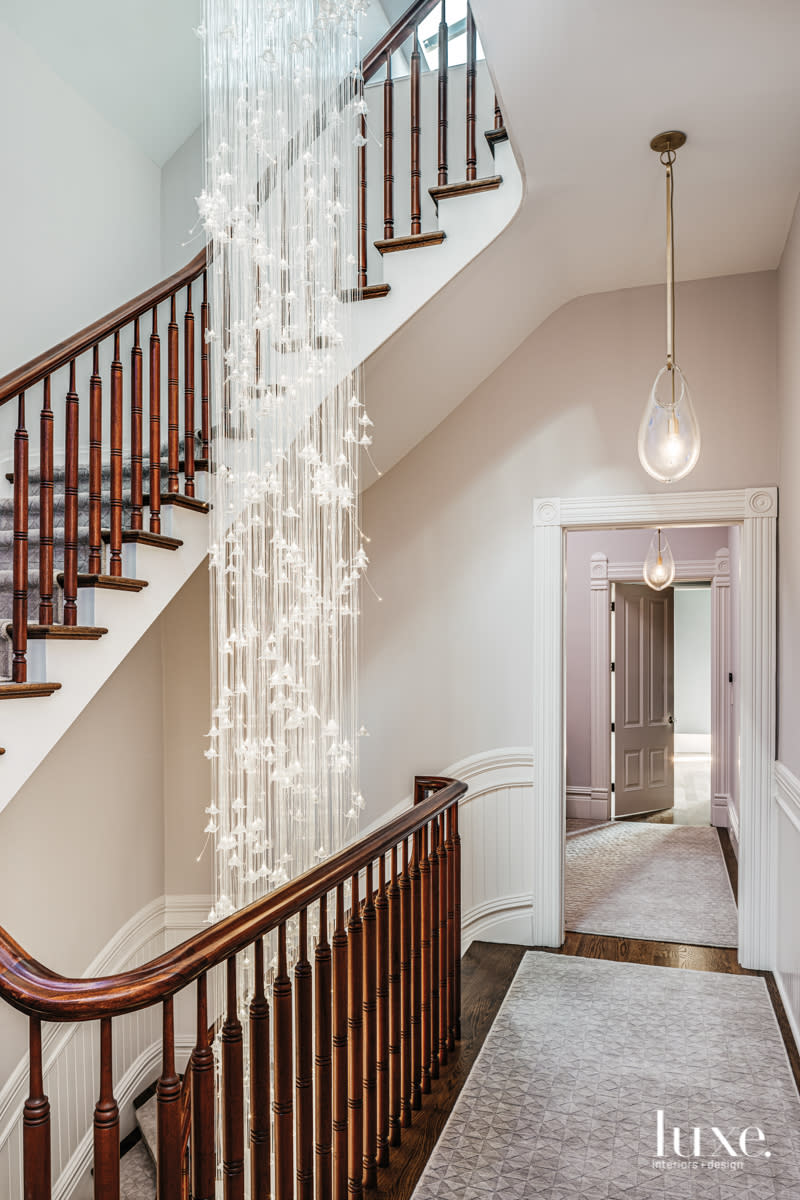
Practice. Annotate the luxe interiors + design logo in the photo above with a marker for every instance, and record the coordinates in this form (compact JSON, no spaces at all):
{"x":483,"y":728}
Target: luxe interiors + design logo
{"x":706,"y":1147}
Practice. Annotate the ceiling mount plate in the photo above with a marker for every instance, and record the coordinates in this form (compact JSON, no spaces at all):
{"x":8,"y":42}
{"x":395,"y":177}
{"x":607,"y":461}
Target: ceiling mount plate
{"x":673,"y":139}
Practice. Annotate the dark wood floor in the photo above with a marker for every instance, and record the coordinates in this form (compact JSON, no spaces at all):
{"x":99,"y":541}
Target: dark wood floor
{"x":487,"y":972}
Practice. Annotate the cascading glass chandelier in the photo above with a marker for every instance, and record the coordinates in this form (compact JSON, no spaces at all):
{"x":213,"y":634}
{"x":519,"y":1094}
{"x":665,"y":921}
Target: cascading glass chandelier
{"x":659,"y":565}
{"x":283,"y":120}
{"x":669,"y":436}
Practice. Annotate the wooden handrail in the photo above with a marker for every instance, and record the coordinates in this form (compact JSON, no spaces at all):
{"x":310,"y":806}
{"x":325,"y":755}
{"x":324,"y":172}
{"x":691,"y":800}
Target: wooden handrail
{"x":31,"y":988}
{"x":45,"y":364}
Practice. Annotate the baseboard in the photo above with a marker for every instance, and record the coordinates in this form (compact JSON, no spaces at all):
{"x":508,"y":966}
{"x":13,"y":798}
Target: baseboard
{"x":507,"y":919}
{"x":720,"y":811}
{"x":787,"y":1008}
{"x":584,"y":806}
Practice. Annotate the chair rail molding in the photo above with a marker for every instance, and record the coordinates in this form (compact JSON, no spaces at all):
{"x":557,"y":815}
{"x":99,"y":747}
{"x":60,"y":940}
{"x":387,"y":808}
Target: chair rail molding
{"x":756,"y":510}
{"x":602,"y":573}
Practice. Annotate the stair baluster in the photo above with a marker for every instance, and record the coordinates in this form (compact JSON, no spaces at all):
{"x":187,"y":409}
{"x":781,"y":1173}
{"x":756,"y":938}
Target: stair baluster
{"x":394,"y":1004}
{"x":425,"y":962}
{"x":323,"y":1065}
{"x":46,"y":614}
{"x":369,"y":1014}
{"x":155,"y":426}
{"x":453,"y":950}
{"x":95,"y":465}
{"x":443,"y":84}
{"x":19,"y":669}
{"x":106,"y":1124}
{"x":202,"y":1103}
{"x":136,"y":429}
{"x":168,"y":1095}
{"x":416,"y":168}
{"x":405,"y":990}
{"x":472,"y":91}
{"x":498,"y":116}
{"x":444,"y":945}
{"x":362,"y":195}
{"x":173,"y":386}
{"x":388,"y":151}
{"x":355,"y":1048}
{"x":339,"y":1043}
{"x":115,"y":554}
{"x":283,"y":1066}
{"x":36,"y":1123}
{"x":188,"y":392}
{"x":259,"y":1083}
{"x":434,"y":927}
{"x":416,"y":980}
{"x":71,"y":504}
{"x":304,"y":1098}
{"x":205,"y":423}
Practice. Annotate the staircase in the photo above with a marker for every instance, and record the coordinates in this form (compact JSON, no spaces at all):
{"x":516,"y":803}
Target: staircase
{"x":103,"y":501}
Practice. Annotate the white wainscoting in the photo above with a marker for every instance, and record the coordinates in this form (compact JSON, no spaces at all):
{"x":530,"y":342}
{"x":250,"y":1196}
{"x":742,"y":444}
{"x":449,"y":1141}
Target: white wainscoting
{"x":71,"y":1052}
{"x":787,"y":940}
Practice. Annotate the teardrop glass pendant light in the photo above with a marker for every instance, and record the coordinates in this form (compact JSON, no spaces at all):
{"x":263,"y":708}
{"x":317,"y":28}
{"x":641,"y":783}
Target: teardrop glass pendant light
{"x":659,"y":566}
{"x":669,"y":436}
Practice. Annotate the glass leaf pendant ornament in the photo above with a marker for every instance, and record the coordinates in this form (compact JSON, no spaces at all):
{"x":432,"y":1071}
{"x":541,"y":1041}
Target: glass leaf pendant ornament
{"x":669,"y":435}
{"x":659,"y":566}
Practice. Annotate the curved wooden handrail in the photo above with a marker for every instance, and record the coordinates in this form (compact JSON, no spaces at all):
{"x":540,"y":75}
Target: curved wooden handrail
{"x":45,"y":364}
{"x":32,"y":988}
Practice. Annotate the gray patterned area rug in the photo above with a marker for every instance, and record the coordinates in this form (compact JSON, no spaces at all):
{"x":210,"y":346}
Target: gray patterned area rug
{"x":563,"y":1101}
{"x":663,"y":883}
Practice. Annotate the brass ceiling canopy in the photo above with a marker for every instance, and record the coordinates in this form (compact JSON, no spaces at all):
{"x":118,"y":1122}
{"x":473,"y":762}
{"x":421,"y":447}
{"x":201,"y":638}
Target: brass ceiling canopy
{"x":673,"y":139}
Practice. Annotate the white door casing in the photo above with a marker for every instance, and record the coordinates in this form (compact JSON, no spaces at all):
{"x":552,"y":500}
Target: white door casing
{"x":756,"y":509}
{"x":717,"y":570}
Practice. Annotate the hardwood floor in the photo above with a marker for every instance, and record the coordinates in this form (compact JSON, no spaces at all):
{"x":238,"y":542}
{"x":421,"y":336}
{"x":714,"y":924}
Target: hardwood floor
{"x":487,"y":971}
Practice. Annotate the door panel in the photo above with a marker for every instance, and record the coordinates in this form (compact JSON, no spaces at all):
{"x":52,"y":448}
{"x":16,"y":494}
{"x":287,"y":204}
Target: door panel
{"x":644,"y":696}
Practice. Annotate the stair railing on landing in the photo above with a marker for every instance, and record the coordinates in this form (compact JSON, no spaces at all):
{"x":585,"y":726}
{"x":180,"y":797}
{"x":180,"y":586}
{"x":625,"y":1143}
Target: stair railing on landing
{"x":89,"y":545}
{"x":349,"y":1048}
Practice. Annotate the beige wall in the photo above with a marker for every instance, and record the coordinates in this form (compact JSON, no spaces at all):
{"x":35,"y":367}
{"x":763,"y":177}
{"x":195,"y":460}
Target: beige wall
{"x":789,"y":521}
{"x":447,"y":656}
{"x":112,"y":818}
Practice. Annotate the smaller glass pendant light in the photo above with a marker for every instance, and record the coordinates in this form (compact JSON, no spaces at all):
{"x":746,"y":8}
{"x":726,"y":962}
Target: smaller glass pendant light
{"x":659,"y":566}
{"x":669,"y":436}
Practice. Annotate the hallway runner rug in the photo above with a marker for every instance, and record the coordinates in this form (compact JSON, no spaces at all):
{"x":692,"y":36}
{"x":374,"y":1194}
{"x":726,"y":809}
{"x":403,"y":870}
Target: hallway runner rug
{"x":563,"y":1100}
{"x":661,"y":883}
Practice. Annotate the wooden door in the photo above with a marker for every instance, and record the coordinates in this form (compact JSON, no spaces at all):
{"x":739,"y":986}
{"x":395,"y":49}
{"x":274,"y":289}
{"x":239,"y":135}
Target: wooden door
{"x":643,"y":698}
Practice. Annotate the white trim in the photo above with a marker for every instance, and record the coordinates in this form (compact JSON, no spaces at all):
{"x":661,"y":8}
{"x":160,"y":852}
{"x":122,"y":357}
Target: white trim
{"x":787,"y":1008}
{"x":757,"y":509}
{"x":603,"y":572}
{"x":584,"y":805}
{"x":733,"y":825}
{"x":787,"y":793}
{"x":146,"y":934}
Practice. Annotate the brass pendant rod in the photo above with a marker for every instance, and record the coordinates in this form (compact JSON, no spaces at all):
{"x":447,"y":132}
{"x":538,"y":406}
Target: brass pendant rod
{"x":670,"y":271}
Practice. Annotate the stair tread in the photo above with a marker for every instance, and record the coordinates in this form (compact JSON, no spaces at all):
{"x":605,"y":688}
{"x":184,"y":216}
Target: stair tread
{"x":117,"y":583}
{"x":21,"y":691}
{"x":410,"y":241}
{"x":466,"y":187}
{"x":181,"y":500}
{"x":80,"y":633}
{"x":373,"y":291}
{"x":147,"y":1120}
{"x":495,"y":136}
{"x":146,"y":537}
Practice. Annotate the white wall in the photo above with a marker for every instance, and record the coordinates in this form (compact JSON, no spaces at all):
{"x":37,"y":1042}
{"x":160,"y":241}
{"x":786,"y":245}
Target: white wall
{"x":447,"y":656}
{"x":619,"y":545}
{"x":181,"y":184}
{"x":79,"y":205}
{"x":693,"y":660}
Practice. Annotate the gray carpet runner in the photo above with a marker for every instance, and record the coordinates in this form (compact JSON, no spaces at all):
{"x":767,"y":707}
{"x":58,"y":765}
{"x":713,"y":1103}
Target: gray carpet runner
{"x":563,"y":1100}
{"x":664,"y":883}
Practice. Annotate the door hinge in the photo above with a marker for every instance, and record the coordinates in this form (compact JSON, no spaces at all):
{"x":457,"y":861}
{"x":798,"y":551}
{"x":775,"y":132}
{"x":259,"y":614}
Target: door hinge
{"x":613,"y":727}
{"x":612,"y":787}
{"x":613,"y":606}
{"x":613,"y":666}
{"x":730,"y":676}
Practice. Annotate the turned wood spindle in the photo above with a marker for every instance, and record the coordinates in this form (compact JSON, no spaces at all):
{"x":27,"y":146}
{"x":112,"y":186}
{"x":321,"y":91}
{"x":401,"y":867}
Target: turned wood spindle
{"x":355,"y":1048}
{"x":498,"y":116}
{"x":304,"y":1099}
{"x":388,"y":151}
{"x":202,"y":1132}
{"x":19,"y":668}
{"x":339,"y":1042}
{"x":416,"y":977}
{"x":323,"y":1066}
{"x":71,"y":503}
{"x":444,"y":955}
{"x":173,"y":385}
{"x":395,"y":955}
{"x":442,"y":96}
{"x":106,"y":1124}
{"x":259,"y":1083}
{"x":362,"y":197}
{"x":451,"y":927}
{"x":434,"y":928}
{"x":282,"y":1058}
{"x":424,"y":920}
{"x":168,"y":1103}
{"x":382,"y":1033}
{"x":36,"y":1123}
{"x":472,"y":87}
{"x":405,"y":991}
{"x":457,"y":924}
{"x":232,"y":1092}
{"x":115,"y":557}
{"x":95,"y":465}
{"x":416,"y":167}
{"x":205,"y":422}
{"x":155,"y":427}
{"x":188,"y":395}
{"x":136,"y":429}
{"x":46,"y":614}
{"x":370,"y":1035}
